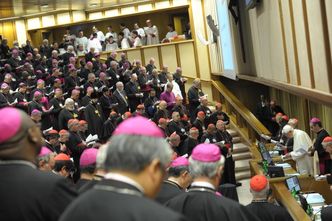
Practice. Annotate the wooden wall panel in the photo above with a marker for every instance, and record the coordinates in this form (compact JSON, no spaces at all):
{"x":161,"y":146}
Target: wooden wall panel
{"x":187,"y":58}
{"x":318,"y":45}
{"x":168,"y":57}
{"x":286,"y":19}
{"x":302,"y":48}
{"x":134,"y":55}
{"x":152,"y":53}
{"x":8,"y":31}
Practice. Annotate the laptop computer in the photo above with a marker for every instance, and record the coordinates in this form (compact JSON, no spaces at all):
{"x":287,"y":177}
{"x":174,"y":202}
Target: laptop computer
{"x":293,"y":183}
{"x":275,"y":171}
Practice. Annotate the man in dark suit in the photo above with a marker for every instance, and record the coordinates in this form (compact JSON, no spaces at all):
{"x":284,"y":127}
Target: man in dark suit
{"x":178,"y":180}
{"x":134,"y":97}
{"x":121,"y":98}
{"x":41,"y":196}
{"x":137,"y":157}
{"x":194,"y":94}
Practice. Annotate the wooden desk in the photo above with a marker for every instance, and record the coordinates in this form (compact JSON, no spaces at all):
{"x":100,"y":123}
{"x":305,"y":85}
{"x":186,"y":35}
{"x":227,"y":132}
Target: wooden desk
{"x":283,"y":195}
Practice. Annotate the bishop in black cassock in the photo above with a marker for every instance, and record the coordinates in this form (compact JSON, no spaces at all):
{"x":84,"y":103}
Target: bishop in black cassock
{"x":201,"y":202}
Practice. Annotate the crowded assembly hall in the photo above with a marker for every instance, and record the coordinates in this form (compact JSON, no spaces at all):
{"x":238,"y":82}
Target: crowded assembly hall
{"x":169,"y":110}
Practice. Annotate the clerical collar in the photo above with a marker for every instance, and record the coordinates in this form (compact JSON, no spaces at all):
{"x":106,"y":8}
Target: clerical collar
{"x":173,"y":182}
{"x":202,"y":184}
{"x":18,"y":162}
{"x":259,"y":201}
{"x":124,"y":179}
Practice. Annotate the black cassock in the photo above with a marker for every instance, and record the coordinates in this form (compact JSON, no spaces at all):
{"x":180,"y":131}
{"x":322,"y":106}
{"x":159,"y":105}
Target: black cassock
{"x":188,"y":145}
{"x":267,"y":211}
{"x":64,"y":116}
{"x":327,"y":213}
{"x":119,"y":201}
{"x":94,"y":116}
{"x":41,"y":196}
{"x":108,"y":128}
{"x":202,"y":204}
{"x":168,"y":190}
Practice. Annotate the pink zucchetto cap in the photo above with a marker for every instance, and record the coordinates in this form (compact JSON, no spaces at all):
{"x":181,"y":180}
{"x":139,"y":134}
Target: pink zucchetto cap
{"x":138,"y":126}
{"x":35,"y":112}
{"x":37,"y":93}
{"x":88,"y":157}
{"x":180,"y":162}
{"x":40,"y":81}
{"x":314,"y":120}
{"x":102,"y":74}
{"x":4,"y":86}
{"x":11,"y":122}
{"x":206,"y":153}
{"x":44,"y":151}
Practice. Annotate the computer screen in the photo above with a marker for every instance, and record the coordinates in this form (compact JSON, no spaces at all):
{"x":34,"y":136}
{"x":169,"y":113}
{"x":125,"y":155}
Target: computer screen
{"x":293,"y":182}
{"x":266,"y":156}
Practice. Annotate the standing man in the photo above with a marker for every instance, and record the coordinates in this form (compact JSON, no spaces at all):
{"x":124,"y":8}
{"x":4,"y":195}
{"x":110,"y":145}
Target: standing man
{"x":132,"y":91}
{"x":324,"y":157}
{"x":152,"y":35}
{"x":302,"y":143}
{"x":121,"y":98}
{"x":94,"y":116}
{"x":194,"y":93}
{"x":201,"y":201}
{"x":45,"y":195}
{"x":177,"y":182}
{"x":136,"y":159}
{"x":81,"y":40}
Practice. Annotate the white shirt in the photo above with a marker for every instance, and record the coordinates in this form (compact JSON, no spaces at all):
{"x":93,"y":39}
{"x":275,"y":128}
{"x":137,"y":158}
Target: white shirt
{"x":203,"y":184}
{"x":124,"y":43}
{"x":302,"y":142}
{"x":171,"y":34}
{"x":137,"y":42}
{"x":115,"y":36}
{"x":94,"y":43}
{"x":152,"y":30}
{"x":176,"y":89}
{"x":141,"y":32}
{"x":124,"y":179}
{"x":111,"y":46}
{"x":100,"y":36}
{"x":126,"y":32}
{"x":83,"y":41}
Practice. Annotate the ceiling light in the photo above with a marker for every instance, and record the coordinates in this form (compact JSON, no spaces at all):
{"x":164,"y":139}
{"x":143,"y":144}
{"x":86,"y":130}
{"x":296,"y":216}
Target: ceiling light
{"x":44,"y":5}
{"x":93,"y":5}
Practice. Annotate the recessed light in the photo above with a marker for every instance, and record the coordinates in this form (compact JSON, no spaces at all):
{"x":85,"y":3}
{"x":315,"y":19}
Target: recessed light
{"x":44,"y":5}
{"x":93,"y":5}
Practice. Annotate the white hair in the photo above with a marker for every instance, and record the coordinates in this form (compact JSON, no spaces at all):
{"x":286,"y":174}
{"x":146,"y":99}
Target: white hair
{"x":68,"y":101}
{"x":101,"y":156}
{"x":205,"y":169}
{"x":287,"y":129}
{"x":133,"y":153}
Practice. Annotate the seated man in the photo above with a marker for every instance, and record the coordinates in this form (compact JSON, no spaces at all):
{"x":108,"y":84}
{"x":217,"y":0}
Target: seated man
{"x":45,"y":159}
{"x":64,"y":166}
{"x":178,"y":180}
{"x":136,"y":158}
{"x":260,"y":190}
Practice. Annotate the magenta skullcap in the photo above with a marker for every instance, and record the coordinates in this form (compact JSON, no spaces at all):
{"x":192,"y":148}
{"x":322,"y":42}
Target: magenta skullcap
{"x":40,"y":81}
{"x":88,"y":157}
{"x":37,"y":93}
{"x":180,"y":162}
{"x":102,"y":74}
{"x":138,"y":126}
{"x":4,"y":86}
{"x":35,"y":112}
{"x":39,"y":72}
{"x":44,"y":151}
{"x":315,"y":120}
{"x":89,"y":63}
{"x":206,"y":153}
{"x":11,"y":122}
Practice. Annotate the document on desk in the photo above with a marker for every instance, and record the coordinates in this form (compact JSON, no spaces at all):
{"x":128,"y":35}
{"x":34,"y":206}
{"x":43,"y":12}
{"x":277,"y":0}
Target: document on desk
{"x":284,"y":165}
{"x":314,"y":198}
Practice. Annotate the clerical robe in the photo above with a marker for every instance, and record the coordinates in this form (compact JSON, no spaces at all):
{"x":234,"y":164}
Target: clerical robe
{"x":152,"y":35}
